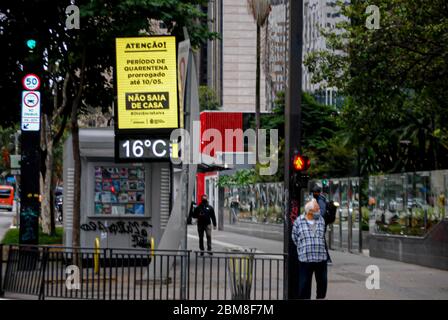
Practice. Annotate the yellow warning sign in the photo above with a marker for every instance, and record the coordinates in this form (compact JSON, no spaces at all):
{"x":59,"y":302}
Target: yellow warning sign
{"x":146,"y":83}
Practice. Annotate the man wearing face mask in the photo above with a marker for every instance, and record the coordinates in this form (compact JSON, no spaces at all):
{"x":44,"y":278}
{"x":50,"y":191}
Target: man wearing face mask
{"x":308,"y":233}
{"x":205,"y":216}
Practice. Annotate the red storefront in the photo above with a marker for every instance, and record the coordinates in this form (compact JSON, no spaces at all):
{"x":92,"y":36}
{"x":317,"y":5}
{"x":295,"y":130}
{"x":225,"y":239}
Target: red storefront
{"x":219,"y":121}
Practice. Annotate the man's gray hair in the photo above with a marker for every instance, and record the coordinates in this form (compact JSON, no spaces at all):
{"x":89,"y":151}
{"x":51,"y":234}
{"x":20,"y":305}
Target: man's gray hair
{"x":310,"y":205}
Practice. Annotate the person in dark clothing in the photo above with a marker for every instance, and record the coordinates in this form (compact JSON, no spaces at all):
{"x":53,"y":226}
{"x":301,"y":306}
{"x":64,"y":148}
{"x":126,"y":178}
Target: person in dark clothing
{"x":321,"y":200}
{"x":205,"y":215}
{"x":323,"y":205}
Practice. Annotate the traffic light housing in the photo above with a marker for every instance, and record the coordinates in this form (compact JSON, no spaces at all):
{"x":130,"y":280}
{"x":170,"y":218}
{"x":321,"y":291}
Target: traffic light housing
{"x":31,"y":44}
{"x":301,"y":163}
{"x":300,"y":166}
{"x":33,"y":59}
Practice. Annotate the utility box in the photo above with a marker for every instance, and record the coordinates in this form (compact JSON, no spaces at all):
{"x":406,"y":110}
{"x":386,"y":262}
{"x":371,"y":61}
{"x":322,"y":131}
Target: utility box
{"x":123,"y":204}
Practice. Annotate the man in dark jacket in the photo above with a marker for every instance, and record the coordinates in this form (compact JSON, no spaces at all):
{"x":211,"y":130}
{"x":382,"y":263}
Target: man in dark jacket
{"x":205,"y":216}
{"x":321,"y":201}
{"x":323,"y":205}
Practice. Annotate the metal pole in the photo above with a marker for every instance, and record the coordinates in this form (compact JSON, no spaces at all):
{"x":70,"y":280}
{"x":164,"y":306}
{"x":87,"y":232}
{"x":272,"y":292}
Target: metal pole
{"x":30,"y":166}
{"x":340,"y":225}
{"x":292,"y":141}
{"x":350,"y":215}
{"x":185,"y":204}
{"x":17,"y":179}
{"x":360,"y":244}
{"x":29,"y":187}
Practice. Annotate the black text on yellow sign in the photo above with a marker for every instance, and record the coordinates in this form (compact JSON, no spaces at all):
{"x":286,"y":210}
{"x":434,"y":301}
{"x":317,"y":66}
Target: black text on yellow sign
{"x":146,"y":83}
{"x":147,"y":100}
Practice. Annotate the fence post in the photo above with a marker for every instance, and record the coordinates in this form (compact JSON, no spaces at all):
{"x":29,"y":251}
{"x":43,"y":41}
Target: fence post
{"x":183,"y":291}
{"x":104,"y":273}
{"x":111,"y":262}
{"x":44,"y":270}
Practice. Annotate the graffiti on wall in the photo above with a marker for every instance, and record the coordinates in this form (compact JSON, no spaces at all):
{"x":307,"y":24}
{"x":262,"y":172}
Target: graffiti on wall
{"x":294,"y":211}
{"x":138,"y":231}
{"x":261,"y":202}
{"x":28,"y":224}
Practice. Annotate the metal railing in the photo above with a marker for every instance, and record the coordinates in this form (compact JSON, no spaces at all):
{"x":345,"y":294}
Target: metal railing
{"x":138,"y":274}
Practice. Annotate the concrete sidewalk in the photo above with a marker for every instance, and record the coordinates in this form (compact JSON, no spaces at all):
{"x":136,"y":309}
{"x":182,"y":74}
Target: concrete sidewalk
{"x":347,"y":276}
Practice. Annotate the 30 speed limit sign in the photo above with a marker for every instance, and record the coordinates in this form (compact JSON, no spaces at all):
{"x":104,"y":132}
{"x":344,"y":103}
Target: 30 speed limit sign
{"x":31,"y":82}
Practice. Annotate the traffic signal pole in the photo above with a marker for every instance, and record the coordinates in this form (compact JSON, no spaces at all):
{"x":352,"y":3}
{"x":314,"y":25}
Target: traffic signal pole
{"x":30,"y":150}
{"x":292,"y":144}
{"x":29,"y":187}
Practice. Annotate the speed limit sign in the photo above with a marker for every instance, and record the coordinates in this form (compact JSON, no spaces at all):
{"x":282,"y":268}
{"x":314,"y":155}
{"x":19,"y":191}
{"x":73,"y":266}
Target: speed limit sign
{"x":31,"y":82}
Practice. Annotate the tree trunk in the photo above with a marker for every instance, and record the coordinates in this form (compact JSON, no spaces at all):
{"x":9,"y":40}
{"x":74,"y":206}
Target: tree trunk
{"x":46,"y":177}
{"x":77,"y":176}
{"x":76,"y":241}
{"x":434,"y":144}
{"x":52,"y":217}
{"x":257,"y":92}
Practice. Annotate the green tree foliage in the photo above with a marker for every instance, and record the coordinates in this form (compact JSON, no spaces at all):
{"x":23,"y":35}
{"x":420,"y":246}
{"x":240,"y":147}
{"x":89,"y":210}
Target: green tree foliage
{"x":77,"y":65}
{"x":6,"y":146}
{"x":61,"y":50}
{"x":208,"y":100}
{"x":323,"y":139}
{"x":394,"y":80}
{"x":241,"y":178}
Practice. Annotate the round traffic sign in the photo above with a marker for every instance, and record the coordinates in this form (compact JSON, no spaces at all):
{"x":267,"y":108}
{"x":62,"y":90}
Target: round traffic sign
{"x":31,"y":82}
{"x":31,"y":99}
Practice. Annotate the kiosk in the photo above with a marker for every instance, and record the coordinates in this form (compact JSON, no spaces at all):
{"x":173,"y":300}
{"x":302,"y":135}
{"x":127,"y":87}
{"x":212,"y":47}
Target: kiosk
{"x":123,"y":204}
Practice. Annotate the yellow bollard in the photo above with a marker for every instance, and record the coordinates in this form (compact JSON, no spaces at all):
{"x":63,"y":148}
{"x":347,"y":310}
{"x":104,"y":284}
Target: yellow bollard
{"x":96,"y":256}
{"x":152,"y":246}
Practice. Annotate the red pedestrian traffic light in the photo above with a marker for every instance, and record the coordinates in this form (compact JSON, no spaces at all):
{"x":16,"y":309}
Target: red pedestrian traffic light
{"x":301,"y":163}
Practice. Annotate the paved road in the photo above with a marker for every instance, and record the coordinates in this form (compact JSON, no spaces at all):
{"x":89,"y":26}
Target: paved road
{"x":347,"y":275}
{"x":6,"y":218}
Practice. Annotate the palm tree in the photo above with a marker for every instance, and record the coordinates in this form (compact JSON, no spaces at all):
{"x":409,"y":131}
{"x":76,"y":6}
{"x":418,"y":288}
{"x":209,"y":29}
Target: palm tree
{"x":260,"y":10}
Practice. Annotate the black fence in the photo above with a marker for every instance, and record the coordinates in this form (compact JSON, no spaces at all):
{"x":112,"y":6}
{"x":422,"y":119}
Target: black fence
{"x":50,"y":272}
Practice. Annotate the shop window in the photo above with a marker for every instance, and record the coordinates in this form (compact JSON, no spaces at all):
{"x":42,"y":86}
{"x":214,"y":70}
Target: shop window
{"x":119,"y":191}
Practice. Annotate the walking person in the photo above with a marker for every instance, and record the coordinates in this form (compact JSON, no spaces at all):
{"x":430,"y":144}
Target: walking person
{"x":308,"y":233}
{"x":205,"y":215}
